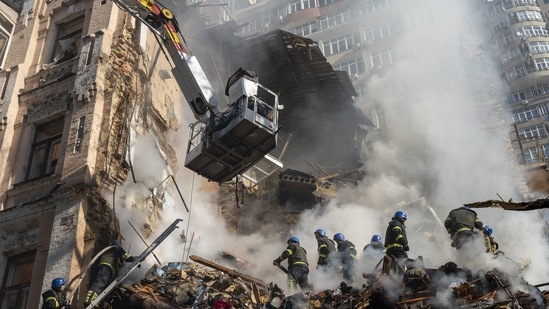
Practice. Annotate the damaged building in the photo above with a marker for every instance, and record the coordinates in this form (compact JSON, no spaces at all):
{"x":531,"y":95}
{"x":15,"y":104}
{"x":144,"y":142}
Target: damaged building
{"x":81,"y":79}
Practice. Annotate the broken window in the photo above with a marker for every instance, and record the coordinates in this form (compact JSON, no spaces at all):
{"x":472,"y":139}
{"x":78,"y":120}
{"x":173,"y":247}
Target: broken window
{"x":45,"y":149}
{"x":69,"y":37}
{"x":15,"y":286}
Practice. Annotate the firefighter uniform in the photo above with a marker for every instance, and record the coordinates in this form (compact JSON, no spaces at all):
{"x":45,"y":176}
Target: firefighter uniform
{"x":326,"y":248}
{"x":460,"y":223}
{"x":109,"y":264}
{"x":298,"y":267}
{"x":396,"y":242}
{"x":54,"y":300}
{"x":347,"y":255}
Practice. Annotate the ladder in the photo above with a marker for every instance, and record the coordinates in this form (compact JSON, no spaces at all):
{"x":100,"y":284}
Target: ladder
{"x":135,"y":264}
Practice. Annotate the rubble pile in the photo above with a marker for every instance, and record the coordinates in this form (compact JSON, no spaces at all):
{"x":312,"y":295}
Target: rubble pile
{"x":190,"y":285}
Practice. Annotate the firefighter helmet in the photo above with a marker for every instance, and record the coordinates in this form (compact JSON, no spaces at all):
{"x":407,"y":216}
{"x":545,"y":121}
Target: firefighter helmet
{"x":488,"y":229}
{"x":376,"y":238}
{"x":293,"y":239}
{"x":339,"y":236}
{"x":57,"y":283}
{"x":321,"y":232}
{"x":401,"y":215}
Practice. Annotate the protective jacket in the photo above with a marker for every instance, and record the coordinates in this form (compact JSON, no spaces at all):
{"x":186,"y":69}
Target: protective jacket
{"x":346,"y":251}
{"x":54,"y":300}
{"x":110,"y":262}
{"x":461,"y":220}
{"x":115,"y":258}
{"x":326,"y":246}
{"x":374,"y":246}
{"x":296,"y":255}
{"x":395,"y":238}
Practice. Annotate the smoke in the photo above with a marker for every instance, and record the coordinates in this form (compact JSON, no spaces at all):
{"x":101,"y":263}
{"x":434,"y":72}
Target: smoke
{"x":436,"y":157}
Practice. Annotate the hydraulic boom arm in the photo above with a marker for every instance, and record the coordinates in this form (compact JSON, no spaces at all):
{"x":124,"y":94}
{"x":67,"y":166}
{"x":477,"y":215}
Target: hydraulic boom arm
{"x":221,"y":144}
{"x":187,"y":70}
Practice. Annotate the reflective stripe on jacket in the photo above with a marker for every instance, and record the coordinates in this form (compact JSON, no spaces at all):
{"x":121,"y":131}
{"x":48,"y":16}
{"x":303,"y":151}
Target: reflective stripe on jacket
{"x":395,"y":236}
{"x":325,"y":247}
{"x":295,"y":254}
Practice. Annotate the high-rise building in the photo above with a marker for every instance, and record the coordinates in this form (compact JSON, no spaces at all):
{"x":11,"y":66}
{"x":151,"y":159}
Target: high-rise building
{"x":363,"y":38}
{"x":517,"y":39}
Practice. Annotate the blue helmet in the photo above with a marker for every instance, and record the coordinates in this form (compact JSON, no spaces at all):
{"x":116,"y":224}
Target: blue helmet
{"x":57,"y":283}
{"x":488,"y":229}
{"x":339,"y":236}
{"x":376,"y":238}
{"x":293,"y":239}
{"x":114,"y":242}
{"x":401,"y":215}
{"x":321,"y":232}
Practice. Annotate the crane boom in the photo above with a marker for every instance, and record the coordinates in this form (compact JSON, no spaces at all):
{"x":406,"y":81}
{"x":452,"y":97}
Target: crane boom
{"x":187,"y":70}
{"x":224,"y":144}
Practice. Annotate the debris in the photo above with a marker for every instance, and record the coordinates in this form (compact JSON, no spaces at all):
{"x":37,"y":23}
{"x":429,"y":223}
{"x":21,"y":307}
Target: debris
{"x":189,"y":285}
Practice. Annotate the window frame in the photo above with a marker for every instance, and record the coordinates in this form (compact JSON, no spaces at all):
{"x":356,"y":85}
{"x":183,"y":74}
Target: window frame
{"x":72,"y":29}
{"x":20,"y":290}
{"x":49,"y":145}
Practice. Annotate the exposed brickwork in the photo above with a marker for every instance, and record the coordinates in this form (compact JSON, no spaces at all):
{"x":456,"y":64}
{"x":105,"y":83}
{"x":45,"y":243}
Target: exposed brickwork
{"x":63,"y":216}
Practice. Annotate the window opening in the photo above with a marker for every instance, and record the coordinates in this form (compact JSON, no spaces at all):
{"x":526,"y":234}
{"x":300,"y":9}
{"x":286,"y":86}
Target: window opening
{"x":69,"y":39}
{"x":46,"y":149}
{"x":15,"y":286}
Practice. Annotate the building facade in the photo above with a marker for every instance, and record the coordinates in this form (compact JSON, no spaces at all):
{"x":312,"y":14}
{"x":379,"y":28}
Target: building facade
{"x":362,"y":38}
{"x":518,"y":41}
{"x":80,"y":80}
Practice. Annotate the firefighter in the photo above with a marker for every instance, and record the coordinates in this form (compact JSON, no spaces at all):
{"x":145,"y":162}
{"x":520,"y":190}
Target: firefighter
{"x":56,"y":297}
{"x":375,"y":250}
{"x":347,"y":256}
{"x":375,"y":244}
{"x":298,"y":267}
{"x":372,"y":255}
{"x":491,"y":245}
{"x":396,"y":242}
{"x":109,"y":264}
{"x":326,"y":248}
{"x":460,"y":224}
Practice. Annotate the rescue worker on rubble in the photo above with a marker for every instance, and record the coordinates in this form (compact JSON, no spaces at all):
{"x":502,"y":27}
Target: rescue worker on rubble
{"x":396,"y":241}
{"x":371,"y":257}
{"x":110,"y":262}
{"x":375,"y":244}
{"x":491,"y":245}
{"x":460,"y":224}
{"x":298,"y":267}
{"x":375,"y":250}
{"x":326,"y":249}
{"x":346,"y":254}
{"x":55,"y":298}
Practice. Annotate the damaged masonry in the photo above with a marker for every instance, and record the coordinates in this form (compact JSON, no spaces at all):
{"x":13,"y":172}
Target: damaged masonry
{"x":206,"y":284}
{"x":92,"y":132}
{"x":225,"y":283}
